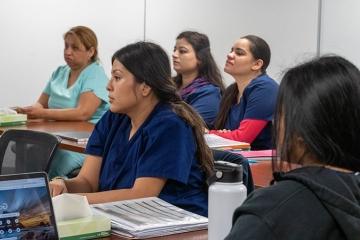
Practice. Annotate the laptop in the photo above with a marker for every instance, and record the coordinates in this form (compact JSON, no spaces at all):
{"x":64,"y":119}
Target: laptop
{"x":26,"y":210}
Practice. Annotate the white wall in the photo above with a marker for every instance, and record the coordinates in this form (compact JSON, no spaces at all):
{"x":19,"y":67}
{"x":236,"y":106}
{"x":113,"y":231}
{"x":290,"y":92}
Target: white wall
{"x":31,"y":44}
{"x":289,"y":26}
{"x":340,"y":29}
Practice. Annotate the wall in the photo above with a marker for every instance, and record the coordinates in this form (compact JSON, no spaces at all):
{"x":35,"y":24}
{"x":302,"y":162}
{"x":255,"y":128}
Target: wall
{"x":32,"y":44}
{"x":340,"y":29}
{"x":289,"y":27}
{"x":32,"y":39}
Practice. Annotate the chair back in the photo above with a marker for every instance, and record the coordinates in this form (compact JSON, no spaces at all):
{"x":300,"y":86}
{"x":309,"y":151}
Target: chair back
{"x":26,"y":151}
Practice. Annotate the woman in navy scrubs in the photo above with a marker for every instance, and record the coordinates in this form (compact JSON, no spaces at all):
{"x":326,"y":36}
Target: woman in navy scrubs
{"x":198,"y":77}
{"x":248,"y":105}
{"x":150,"y":143}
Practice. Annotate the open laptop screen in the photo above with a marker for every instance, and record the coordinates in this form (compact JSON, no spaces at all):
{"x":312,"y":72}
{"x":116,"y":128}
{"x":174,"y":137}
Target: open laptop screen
{"x":26,"y":210}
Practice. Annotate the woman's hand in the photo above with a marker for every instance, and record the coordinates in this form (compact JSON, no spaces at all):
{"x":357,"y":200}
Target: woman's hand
{"x":35,"y":111}
{"x":216,"y":131}
{"x":57,"y":187}
{"x":223,"y":131}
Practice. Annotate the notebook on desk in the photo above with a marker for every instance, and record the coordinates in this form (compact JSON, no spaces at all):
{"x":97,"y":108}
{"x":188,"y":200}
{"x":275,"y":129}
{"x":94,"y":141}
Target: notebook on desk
{"x":26,"y":210}
{"x":256,"y":155}
{"x":217,"y":142}
{"x":7,"y":120}
{"x":76,"y":136}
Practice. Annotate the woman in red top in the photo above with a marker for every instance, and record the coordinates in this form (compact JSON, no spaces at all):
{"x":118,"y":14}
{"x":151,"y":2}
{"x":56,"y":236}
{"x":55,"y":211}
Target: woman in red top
{"x":248,"y":105}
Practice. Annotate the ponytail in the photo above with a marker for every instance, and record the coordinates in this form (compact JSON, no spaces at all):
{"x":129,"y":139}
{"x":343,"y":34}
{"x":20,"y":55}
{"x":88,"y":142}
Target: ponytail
{"x":203,"y":152}
{"x":228,"y":99}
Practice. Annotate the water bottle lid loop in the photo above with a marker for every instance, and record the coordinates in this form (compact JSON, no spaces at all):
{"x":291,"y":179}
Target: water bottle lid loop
{"x":226,"y":172}
{"x":219,"y":174}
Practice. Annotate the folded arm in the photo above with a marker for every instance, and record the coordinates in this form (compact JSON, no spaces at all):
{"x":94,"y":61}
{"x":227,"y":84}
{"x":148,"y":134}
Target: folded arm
{"x":248,"y":130}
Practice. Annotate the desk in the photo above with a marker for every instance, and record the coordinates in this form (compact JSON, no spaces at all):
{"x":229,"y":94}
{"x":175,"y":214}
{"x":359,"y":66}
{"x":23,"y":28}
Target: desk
{"x":57,"y":126}
{"x":262,"y":173}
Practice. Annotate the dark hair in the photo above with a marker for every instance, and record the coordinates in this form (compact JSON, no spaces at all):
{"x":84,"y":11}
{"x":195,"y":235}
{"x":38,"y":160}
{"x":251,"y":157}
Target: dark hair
{"x":319,"y":102}
{"x":207,"y":65}
{"x":87,"y":37}
{"x":260,"y":50}
{"x":149,"y":63}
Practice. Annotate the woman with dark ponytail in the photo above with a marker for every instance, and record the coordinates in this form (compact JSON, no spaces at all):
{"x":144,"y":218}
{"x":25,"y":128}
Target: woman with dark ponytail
{"x":247,"y":107}
{"x":150,"y":143}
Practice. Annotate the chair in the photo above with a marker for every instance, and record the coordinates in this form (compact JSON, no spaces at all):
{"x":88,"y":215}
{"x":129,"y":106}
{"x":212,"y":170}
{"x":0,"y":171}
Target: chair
{"x":26,"y":151}
{"x":238,"y":159}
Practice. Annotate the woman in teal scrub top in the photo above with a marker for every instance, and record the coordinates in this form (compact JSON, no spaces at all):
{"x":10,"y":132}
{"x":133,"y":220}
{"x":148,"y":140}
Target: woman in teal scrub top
{"x":75,"y":92}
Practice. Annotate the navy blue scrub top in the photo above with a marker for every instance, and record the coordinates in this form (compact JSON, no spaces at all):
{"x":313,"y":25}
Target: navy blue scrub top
{"x":163,"y":147}
{"x":258,"y":103}
{"x":206,"y":101}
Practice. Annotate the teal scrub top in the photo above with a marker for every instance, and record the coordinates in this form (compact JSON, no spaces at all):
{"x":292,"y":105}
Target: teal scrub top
{"x":92,"y":78}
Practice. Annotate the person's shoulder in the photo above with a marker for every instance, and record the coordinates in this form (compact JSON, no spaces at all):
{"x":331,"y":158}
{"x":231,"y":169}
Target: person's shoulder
{"x":262,"y":202}
{"x":165,"y":117}
{"x":263,"y":80}
{"x":111,"y":117}
{"x":94,"y":68}
{"x":60,"y":70}
{"x":165,"y":112}
{"x":208,"y":89}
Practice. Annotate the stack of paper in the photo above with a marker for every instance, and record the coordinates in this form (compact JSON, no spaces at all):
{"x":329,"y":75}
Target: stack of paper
{"x":12,"y":119}
{"x":215,"y":141}
{"x":149,"y":217}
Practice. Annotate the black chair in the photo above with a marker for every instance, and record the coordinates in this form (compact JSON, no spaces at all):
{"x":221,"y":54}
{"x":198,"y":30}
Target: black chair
{"x":26,"y":151}
{"x":238,"y":159}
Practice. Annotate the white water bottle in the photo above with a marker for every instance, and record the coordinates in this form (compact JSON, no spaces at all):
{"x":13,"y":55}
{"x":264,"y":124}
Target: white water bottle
{"x":226,"y":193}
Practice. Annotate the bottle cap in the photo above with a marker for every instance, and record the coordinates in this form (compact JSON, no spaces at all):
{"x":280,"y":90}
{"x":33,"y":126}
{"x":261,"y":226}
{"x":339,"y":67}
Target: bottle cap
{"x":226,"y":172}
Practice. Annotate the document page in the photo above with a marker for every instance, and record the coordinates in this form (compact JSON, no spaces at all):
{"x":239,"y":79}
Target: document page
{"x":215,"y":141}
